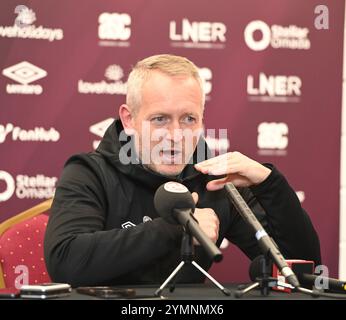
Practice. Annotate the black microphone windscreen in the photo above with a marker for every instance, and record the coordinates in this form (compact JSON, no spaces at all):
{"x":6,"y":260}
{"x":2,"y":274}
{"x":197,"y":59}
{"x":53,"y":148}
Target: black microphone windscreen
{"x":172,"y":195}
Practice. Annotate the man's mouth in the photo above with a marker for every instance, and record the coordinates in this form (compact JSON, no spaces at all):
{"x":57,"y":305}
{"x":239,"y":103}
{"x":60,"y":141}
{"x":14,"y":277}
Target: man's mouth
{"x":171,"y":156}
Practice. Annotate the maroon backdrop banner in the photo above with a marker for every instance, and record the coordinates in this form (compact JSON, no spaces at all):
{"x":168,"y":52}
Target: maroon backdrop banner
{"x":272,"y":71}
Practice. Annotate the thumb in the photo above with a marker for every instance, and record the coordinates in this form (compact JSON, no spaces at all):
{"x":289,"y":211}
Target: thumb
{"x":195,"y":197}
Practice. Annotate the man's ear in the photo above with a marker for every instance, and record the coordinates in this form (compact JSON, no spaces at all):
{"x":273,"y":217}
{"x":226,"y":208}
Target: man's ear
{"x":126,"y":118}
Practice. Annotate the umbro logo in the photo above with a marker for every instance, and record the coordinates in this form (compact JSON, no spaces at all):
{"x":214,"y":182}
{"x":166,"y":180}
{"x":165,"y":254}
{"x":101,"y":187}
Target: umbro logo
{"x":24,"y":73}
{"x":127,"y":224}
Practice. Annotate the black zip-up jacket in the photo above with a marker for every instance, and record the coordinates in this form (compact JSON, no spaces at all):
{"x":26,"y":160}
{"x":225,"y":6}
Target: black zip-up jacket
{"x":88,"y":240}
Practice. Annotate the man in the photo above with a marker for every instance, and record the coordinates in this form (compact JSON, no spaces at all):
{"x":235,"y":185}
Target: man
{"x":103,"y":228}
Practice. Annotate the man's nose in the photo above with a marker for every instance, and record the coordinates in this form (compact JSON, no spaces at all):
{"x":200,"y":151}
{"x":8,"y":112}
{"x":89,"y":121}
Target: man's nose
{"x":175,"y":132}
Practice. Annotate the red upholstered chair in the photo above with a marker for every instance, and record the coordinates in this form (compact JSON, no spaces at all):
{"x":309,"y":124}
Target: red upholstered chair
{"x":21,"y":247}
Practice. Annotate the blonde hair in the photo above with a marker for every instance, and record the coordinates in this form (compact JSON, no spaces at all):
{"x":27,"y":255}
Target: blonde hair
{"x":168,"y":64}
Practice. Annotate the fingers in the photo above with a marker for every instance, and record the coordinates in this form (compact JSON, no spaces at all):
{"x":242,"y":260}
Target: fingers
{"x":213,"y":161}
{"x":227,"y":163}
{"x":224,"y":168}
{"x":195,"y":197}
{"x":216,"y":184}
{"x":239,"y":169}
{"x":208,"y":222}
{"x":236,"y":179}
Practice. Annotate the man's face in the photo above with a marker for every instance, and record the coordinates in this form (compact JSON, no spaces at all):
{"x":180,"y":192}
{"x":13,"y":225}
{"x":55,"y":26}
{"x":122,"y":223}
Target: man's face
{"x":168,"y":122}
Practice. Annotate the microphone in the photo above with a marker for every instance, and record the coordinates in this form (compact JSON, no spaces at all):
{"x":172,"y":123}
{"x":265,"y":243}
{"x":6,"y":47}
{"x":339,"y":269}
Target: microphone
{"x":333,"y":285}
{"x":302,"y":268}
{"x":175,"y":204}
{"x":266,"y":243}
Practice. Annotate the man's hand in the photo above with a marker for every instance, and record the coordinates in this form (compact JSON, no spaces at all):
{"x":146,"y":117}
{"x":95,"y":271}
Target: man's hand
{"x":207,"y":220}
{"x":240,"y":170}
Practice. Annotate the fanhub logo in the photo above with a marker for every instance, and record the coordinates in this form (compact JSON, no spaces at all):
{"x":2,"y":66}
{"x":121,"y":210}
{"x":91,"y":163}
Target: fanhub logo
{"x":24,"y":28}
{"x":27,"y":187}
{"x":274,"y":88}
{"x":114,"y":73}
{"x":24,"y":73}
{"x":114,"y":29}
{"x":259,"y":36}
{"x":36,"y":134}
{"x":195,"y":34}
{"x":272,"y":138}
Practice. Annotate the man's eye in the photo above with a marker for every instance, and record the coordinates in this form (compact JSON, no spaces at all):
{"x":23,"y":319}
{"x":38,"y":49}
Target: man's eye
{"x":159,"y":119}
{"x":189,"y":119}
